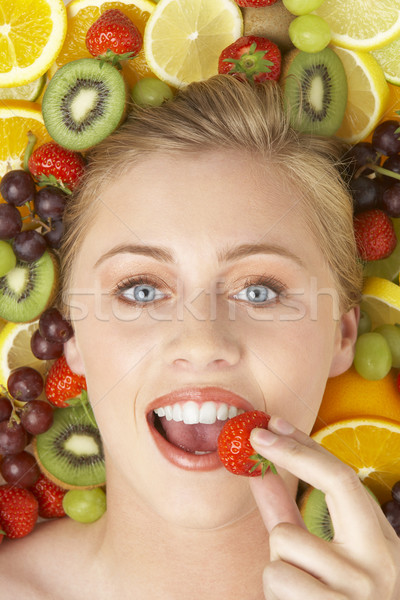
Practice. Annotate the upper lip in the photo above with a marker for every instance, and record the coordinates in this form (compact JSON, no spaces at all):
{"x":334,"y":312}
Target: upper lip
{"x":201,"y":395}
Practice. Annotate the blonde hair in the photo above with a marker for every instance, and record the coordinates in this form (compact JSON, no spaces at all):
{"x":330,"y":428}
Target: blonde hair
{"x":225,"y":113}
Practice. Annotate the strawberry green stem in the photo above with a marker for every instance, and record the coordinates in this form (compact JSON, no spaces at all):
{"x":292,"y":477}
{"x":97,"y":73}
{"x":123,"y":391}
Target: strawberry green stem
{"x":251,"y":63}
{"x":32,"y":139}
{"x":264,"y":463}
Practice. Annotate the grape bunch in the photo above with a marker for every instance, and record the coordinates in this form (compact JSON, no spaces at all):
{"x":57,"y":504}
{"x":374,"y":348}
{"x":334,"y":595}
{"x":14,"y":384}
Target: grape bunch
{"x":375,"y":182}
{"x":59,"y":171}
{"x":22,"y":415}
{"x":48,"y":340}
{"x":391,"y":508}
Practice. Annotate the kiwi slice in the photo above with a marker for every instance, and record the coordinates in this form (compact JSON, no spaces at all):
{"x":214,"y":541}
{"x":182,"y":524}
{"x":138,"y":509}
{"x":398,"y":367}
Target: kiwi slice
{"x":83,"y":103}
{"x":315,"y":513}
{"x":28,"y":289}
{"x":315,"y":91}
{"x":71,"y":452}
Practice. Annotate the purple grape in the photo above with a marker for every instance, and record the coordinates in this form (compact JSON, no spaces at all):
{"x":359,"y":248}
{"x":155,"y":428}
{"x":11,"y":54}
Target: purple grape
{"x":37,"y":417}
{"x":53,"y":327}
{"x":365,"y":193}
{"x":25,"y":384}
{"x":396,"y":492}
{"x":20,"y":469}
{"x":10,"y":221}
{"x":53,"y":237}
{"x":391,"y":510}
{"x":390,"y":201}
{"x":362,"y":153}
{"x":29,"y":245}
{"x":17,"y":187}
{"x":45,"y":349}
{"x":50,"y":203}
{"x":5,"y":408}
{"x":385,"y":139}
{"x":13,"y":437}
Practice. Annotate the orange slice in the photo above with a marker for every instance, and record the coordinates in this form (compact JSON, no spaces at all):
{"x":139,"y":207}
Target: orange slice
{"x":31,"y":35}
{"x":370,"y":446}
{"x":83,"y":13}
{"x":349,"y":396}
{"x":17,"y":117}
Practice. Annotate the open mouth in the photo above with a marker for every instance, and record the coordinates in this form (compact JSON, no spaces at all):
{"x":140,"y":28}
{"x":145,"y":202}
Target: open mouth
{"x":190,"y":428}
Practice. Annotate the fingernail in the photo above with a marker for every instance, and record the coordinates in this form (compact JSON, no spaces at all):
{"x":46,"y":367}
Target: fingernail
{"x":282,"y":426}
{"x":263,"y":437}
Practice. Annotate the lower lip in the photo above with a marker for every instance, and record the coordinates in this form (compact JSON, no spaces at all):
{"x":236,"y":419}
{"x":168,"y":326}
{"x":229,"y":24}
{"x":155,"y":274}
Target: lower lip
{"x":182,"y":459}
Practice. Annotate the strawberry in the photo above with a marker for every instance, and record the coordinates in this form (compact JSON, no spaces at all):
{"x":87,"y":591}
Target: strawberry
{"x":251,"y":57}
{"x":62,"y":384}
{"x":234,"y":448}
{"x":49,"y":497}
{"x":18,"y":511}
{"x":255,"y":3}
{"x":52,"y":164}
{"x":375,"y":235}
{"x":113,"y":37}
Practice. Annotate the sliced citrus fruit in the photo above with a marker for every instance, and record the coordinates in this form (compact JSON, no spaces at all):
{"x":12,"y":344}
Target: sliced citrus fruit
{"x":381,"y":300}
{"x":367,"y":97}
{"x":17,"y":117}
{"x":388,"y":58}
{"x":370,"y":446}
{"x":183,"y":40}
{"x":30,"y":91}
{"x":31,"y":35}
{"x":387,"y":268}
{"x":349,"y":396}
{"x":83,"y":13}
{"x":15,"y":350}
{"x":361,"y":24}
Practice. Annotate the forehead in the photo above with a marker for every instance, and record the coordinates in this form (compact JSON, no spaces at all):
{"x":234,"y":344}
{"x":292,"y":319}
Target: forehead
{"x":201,"y":202}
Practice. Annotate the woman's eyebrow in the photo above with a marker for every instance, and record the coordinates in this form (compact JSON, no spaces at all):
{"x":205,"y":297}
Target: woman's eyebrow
{"x":163,"y":254}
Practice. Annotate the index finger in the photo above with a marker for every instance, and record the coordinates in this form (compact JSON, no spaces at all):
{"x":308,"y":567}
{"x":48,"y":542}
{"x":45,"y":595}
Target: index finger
{"x":352,"y":512}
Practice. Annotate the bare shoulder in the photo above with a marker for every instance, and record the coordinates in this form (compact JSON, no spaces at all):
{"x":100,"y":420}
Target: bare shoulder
{"x":35,"y":566}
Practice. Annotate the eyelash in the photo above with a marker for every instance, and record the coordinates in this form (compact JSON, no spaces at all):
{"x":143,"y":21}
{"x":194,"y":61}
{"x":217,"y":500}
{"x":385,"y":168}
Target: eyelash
{"x":266,"y":281}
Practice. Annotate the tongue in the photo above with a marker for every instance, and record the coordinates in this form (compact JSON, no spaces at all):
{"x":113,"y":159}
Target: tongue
{"x":202,"y":438}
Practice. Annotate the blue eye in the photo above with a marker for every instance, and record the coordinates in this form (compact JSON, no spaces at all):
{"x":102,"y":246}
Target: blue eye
{"x":139,"y":291}
{"x":258,"y":294}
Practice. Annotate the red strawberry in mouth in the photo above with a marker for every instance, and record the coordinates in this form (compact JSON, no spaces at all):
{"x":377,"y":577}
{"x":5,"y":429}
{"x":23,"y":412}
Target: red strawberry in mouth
{"x":186,"y":425}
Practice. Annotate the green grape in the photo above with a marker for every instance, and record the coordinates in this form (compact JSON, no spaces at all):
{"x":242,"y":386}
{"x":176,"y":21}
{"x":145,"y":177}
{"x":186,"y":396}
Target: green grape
{"x":151,"y":92}
{"x":364,"y":324}
{"x":372,"y":359}
{"x":8,"y":260}
{"x":85,"y":506}
{"x":310,"y":33}
{"x":302,"y":7}
{"x":391,"y":333}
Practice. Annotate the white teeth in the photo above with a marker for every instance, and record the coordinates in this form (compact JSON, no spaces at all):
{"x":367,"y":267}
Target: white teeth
{"x":192,"y":413}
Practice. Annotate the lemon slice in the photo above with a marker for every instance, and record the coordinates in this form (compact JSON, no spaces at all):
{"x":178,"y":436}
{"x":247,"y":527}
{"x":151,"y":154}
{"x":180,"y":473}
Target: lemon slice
{"x":387,"y":268}
{"x":381,"y":300}
{"x":371,"y":446}
{"x":361,"y":24}
{"x":367,"y":96}
{"x":31,"y":35}
{"x":15,"y":350}
{"x":184,"y":39}
{"x":82,"y":14}
{"x":30,"y":91}
{"x":388,"y":58}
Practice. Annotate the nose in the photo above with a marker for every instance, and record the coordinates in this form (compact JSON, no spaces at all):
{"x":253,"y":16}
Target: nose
{"x":203,"y":337}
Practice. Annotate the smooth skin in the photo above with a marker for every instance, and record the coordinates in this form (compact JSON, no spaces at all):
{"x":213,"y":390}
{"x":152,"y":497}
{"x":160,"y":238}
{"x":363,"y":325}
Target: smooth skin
{"x":172,"y":534}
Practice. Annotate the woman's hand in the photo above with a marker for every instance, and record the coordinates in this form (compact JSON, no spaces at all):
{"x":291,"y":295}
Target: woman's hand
{"x":363,"y":560}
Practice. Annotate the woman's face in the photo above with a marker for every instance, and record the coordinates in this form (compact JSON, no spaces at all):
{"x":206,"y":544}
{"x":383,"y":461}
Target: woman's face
{"x":213,"y":310}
